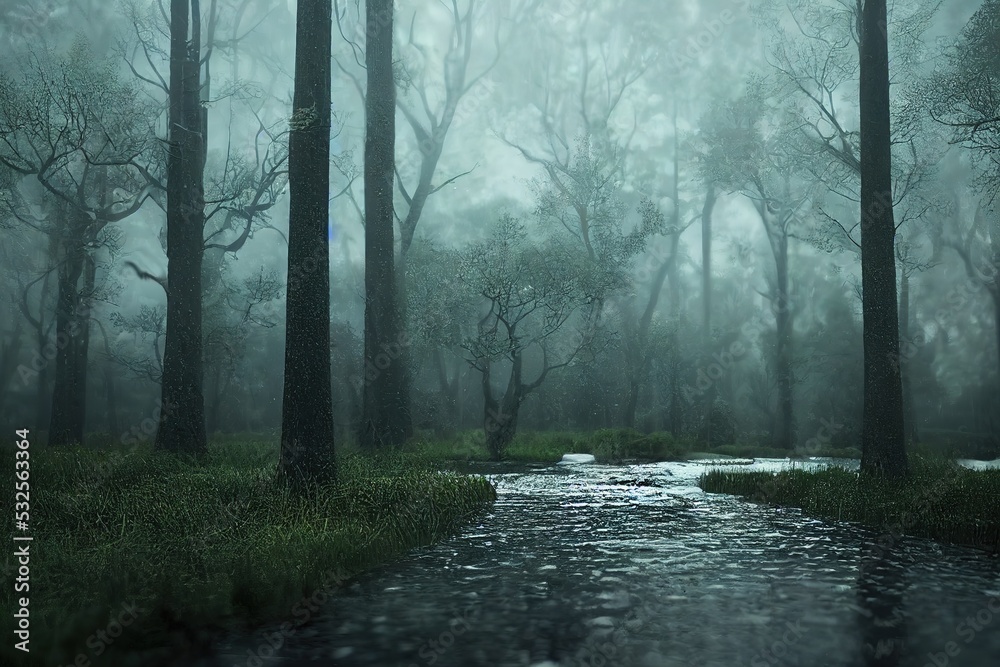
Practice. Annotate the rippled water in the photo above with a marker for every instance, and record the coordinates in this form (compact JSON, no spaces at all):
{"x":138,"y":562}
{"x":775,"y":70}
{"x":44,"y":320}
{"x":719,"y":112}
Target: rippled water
{"x":636,"y":566}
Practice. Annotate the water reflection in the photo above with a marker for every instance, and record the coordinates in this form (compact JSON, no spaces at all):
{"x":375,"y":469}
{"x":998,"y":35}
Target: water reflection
{"x":882,"y":617}
{"x":634,"y":566}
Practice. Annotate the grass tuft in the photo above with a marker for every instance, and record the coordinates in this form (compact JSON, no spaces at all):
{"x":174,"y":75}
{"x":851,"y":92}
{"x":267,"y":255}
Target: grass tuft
{"x":211,"y":544}
{"x":939,"y":500}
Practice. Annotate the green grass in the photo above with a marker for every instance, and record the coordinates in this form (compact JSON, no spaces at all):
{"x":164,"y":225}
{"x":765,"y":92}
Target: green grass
{"x":607,"y":446}
{"x":202,"y":546}
{"x":940,"y":500}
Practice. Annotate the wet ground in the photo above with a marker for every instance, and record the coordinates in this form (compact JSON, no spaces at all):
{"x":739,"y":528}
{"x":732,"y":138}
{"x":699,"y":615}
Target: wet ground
{"x":636,"y":566}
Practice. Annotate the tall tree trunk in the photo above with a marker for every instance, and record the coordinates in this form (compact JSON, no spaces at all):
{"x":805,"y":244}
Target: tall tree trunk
{"x":182,"y":420}
{"x":9,"y":353}
{"x":883,"y":448}
{"x":43,"y":396}
{"x":450,"y":388}
{"x":638,"y":354}
{"x":783,"y":321}
{"x":706,"y":313}
{"x":675,"y":288}
{"x":307,"y":454}
{"x":905,"y":359}
{"x":676,"y":425}
{"x":706,"y":261}
{"x":631,"y":400}
{"x":110,"y":393}
{"x":43,"y":399}
{"x":500,"y":415}
{"x":386,"y":412}
{"x":500,"y":432}
{"x":995,"y":293}
{"x":212,"y":421}
{"x":83,"y":348}
{"x":68,"y":394}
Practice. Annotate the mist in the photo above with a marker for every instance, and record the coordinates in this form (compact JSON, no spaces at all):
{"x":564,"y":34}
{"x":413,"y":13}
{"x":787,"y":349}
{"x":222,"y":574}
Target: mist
{"x":497,"y":233}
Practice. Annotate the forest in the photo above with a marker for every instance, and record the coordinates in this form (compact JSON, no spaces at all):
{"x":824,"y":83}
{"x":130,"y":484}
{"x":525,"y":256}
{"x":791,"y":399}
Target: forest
{"x":305,"y":297}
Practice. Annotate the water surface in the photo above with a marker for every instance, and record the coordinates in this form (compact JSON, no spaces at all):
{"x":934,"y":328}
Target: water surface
{"x":634,"y":565}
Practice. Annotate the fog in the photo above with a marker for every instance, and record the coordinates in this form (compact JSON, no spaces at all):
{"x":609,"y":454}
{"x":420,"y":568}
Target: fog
{"x":660,"y":194}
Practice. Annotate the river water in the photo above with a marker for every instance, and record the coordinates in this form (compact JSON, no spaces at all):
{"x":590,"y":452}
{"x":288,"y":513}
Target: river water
{"x":636,"y":566}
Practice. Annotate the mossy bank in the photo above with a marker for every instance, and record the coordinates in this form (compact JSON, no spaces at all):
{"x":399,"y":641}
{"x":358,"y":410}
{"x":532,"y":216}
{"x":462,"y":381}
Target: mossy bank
{"x":138,"y":557}
{"x":940,"y":499}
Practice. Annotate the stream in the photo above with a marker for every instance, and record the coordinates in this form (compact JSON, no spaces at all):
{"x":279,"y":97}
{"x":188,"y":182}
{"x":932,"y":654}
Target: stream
{"x":633,"y":565}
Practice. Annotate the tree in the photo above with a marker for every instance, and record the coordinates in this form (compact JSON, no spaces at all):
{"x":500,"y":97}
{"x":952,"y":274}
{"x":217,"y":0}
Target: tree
{"x":965,"y":94}
{"x":529,"y":292}
{"x":243,"y":186}
{"x":965,"y":98}
{"x":76,"y":130}
{"x":883,"y":449}
{"x":746,"y":155}
{"x":147,"y":327}
{"x":911,"y":262}
{"x":38,"y":266}
{"x":976,"y":240}
{"x":307,"y":400}
{"x":431,"y":87}
{"x":229,"y":323}
{"x":582,"y":92}
{"x":637,"y":327}
{"x":182,"y":428}
{"x":814,"y":68}
{"x":385,"y":416}
{"x":437,"y":322}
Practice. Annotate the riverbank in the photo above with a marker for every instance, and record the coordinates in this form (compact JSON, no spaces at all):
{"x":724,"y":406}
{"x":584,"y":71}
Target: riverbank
{"x":940,"y":500}
{"x":150,"y":556}
{"x":607,"y":446}
{"x":632,"y":567}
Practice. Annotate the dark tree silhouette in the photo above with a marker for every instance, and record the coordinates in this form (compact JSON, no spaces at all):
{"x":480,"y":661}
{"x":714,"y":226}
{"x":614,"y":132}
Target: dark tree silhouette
{"x":882,"y":435}
{"x":307,"y":403}
{"x":385,"y":418}
{"x":182,"y":428}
